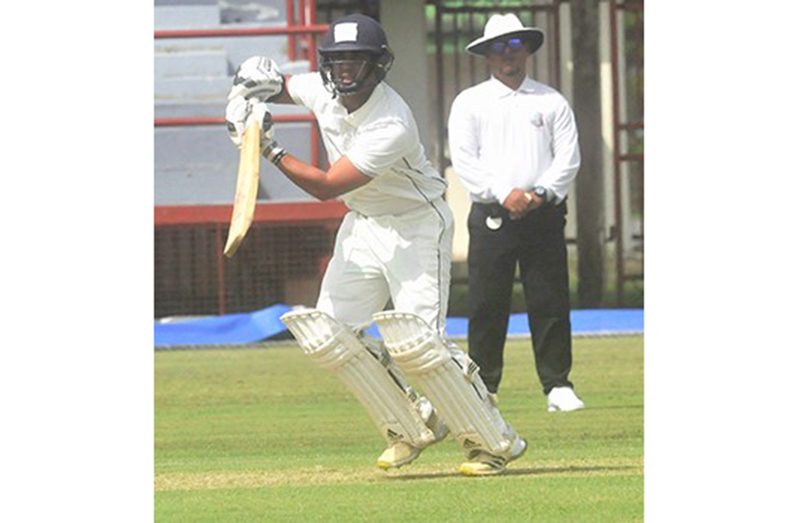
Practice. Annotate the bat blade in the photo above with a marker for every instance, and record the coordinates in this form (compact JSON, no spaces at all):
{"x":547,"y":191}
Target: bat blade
{"x":246,"y":188}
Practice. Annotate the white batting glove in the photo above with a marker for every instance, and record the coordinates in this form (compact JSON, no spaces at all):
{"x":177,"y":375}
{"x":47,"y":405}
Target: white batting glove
{"x":240,"y":113}
{"x":269,"y":148}
{"x":235,"y":115}
{"x":257,"y":77}
{"x":259,"y":112}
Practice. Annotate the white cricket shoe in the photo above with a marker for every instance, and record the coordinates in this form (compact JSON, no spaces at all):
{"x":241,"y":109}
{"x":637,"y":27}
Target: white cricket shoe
{"x":564,"y":399}
{"x":486,"y":464}
{"x":401,"y":453}
{"x":398,"y":454}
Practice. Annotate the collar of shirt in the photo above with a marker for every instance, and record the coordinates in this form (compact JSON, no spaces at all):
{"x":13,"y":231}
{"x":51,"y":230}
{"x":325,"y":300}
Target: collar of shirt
{"x":499,"y":89}
{"x":356,"y":118}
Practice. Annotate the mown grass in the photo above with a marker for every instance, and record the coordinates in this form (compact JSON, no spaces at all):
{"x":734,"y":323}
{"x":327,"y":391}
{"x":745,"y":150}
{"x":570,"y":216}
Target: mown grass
{"x":262,"y":434}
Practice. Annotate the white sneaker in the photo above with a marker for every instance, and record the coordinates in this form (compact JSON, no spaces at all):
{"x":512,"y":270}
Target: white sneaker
{"x":484,"y":464}
{"x":401,"y":453}
{"x":398,"y":454}
{"x":564,"y":399}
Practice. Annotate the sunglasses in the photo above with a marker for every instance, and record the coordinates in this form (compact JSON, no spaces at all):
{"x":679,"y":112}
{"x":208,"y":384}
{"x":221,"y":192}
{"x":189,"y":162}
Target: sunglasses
{"x":514,"y":44}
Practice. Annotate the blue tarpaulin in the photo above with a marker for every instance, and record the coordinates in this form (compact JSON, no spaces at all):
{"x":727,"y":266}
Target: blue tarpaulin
{"x":251,"y":327}
{"x":587,"y":322}
{"x":228,"y":329}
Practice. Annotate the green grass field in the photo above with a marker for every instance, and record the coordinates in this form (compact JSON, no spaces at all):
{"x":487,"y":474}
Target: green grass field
{"x":262,"y":434}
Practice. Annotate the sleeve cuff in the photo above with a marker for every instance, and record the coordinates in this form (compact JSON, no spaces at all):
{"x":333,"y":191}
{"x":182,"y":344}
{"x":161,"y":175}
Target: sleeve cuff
{"x":360,"y":166}
{"x":501,"y":191}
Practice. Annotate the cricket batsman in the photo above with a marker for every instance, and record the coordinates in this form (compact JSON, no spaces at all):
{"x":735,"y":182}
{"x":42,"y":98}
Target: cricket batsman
{"x":394,"y":243}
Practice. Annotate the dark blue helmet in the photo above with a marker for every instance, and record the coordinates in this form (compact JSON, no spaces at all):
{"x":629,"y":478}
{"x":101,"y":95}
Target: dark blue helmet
{"x":355,"y":33}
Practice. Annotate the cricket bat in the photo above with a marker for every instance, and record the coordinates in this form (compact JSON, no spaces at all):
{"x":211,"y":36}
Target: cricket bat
{"x":246,"y":188}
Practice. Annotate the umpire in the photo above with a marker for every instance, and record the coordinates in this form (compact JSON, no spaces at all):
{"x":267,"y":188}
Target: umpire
{"x":514,"y":145}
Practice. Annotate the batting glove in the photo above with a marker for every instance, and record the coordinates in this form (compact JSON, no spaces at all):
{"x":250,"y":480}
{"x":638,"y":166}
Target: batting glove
{"x":235,"y":115}
{"x":257,"y":77}
{"x":270,"y":149}
{"x":259,"y":112}
{"x":240,"y":113}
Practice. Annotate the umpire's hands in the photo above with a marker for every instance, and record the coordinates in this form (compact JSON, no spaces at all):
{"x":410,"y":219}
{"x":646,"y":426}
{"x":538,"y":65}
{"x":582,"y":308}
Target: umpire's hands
{"x":517,"y":203}
{"x":520,"y":203}
{"x":257,"y":77}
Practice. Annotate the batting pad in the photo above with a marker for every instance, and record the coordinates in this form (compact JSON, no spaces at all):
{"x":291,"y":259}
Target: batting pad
{"x":450,"y":380}
{"x":335,"y":347}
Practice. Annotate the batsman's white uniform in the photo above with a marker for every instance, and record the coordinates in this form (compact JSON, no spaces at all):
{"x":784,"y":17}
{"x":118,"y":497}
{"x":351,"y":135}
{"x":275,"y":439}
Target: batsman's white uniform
{"x":397,"y":240}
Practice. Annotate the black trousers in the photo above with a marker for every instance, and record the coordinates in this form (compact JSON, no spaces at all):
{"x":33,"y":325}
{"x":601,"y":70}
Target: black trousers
{"x":536,"y":244}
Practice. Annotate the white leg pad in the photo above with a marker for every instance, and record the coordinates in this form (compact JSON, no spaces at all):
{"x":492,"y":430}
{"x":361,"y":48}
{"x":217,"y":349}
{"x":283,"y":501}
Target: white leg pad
{"x":335,"y":347}
{"x":451,"y":381}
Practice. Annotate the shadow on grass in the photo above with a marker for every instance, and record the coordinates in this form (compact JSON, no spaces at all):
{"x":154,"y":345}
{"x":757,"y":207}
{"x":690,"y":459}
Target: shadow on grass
{"x":527,"y":471}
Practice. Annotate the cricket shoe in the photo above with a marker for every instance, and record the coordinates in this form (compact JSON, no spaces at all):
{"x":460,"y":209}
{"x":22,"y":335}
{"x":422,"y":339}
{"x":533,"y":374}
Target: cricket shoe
{"x":485,"y":464}
{"x":398,"y":454}
{"x":564,"y":399}
{"x":401,"y":453}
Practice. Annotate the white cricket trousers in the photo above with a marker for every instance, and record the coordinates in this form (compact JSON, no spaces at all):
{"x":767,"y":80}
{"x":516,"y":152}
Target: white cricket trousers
{"x":405,"y":257}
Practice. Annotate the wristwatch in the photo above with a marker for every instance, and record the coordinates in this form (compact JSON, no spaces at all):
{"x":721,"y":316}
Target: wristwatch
{"x":541,"y":192}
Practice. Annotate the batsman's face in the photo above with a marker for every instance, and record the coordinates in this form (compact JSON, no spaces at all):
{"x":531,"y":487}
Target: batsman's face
{"x":507,"y":58}
{"x":350,"y":68}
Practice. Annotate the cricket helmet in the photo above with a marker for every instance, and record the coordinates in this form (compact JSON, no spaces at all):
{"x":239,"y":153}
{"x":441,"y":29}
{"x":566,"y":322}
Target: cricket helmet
{"x":354,"y":33}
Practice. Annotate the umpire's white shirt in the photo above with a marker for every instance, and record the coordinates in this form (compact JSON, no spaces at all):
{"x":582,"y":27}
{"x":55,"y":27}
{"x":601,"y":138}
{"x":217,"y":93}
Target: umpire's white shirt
{"x":502,"y":139}
{"x":381,"y":139}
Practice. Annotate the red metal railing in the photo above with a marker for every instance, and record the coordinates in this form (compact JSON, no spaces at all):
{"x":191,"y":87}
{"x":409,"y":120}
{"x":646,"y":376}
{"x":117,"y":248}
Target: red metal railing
{"x":284,"y":213}
{"x":292,"y":30}
{"x":217,"y":120}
